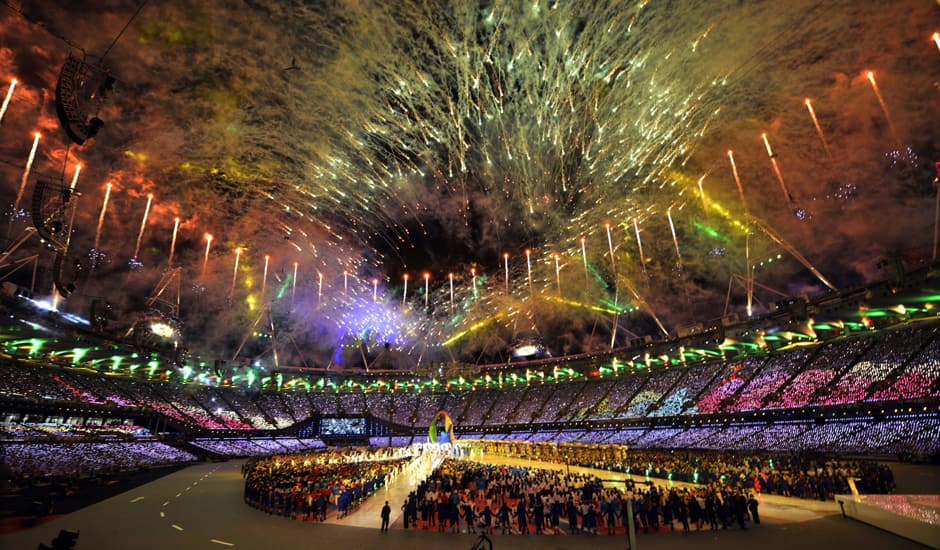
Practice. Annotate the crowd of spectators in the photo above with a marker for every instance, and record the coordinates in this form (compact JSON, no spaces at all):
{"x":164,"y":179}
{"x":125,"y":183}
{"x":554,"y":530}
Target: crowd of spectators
{"x":890,"y":366}
{"x":617,"y":396}
{"x":242,"y":446}
{"x":828,"y":362}
{"x":655,"y":389}
{"x":26,"y":461}
{"x":733,"y":378}
{"x":900,"y":434}
{"x":778,"y":369}
{"x":590,"y":395}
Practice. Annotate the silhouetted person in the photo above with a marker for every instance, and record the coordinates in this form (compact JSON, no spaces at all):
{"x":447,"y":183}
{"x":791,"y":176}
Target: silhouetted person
{"x":752,"y":506}
{"x":386,"y":512}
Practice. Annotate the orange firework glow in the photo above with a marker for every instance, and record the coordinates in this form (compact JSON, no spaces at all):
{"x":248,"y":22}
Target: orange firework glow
{"x":6,"y":101}
{"x":205,"y":259}
{"x":819,"y":132}
{"x":884,"y":108}
{"x":776,"y":167}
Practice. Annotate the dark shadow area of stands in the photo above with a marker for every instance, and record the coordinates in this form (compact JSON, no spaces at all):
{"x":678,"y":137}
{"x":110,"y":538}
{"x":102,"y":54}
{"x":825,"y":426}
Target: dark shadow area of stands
{"x":25,"y":505}
{"x":914,"y":479}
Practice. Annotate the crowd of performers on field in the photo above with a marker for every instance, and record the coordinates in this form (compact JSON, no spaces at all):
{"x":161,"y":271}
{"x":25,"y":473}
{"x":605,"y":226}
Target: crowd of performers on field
{"x":466,"y":496}
{"x":304,"y":486}
{"x":798,"y":475}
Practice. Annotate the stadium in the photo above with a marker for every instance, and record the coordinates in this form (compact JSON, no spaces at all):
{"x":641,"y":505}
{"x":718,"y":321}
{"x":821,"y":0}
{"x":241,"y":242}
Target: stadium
{"x":475,"y":274}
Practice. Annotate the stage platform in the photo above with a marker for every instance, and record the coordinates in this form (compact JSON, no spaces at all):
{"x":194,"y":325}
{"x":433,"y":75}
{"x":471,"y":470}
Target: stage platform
{"x":915,"y":517}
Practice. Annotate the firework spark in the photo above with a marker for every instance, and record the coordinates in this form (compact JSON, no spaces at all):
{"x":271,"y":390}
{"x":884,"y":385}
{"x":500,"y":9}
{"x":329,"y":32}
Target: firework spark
{"x":104,"y":208}
{"x":293,"y":283}
{"x":870,"y":75}
{"x":584,"y":258}
{"x":557,"y":275}
{"x":675,"y":240}
{"x":819,"y":131}
{"x":264,"y":277}
{"x":427,"y":288}
{"x":25,"y":178}
{"x":639,"y":243}
{"x":238,"y":255}
{"x":404,"y":293}
{"x":6,"y":100}
{"x":176,"y":226}
{"x":143,"y":226}
{"x":528,"y":266}
{"x":450,"y":276}
{"x":747,"y":237}
{"x":78,"y":169}
{"x":773,"y":162}
{"x":205,"y":259}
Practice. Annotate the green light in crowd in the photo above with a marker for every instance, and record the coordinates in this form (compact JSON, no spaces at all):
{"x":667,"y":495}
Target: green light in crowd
{"x":878,"y":313}
{"x":925,"y":298}
{"x":78,"y":354}
{"x":35,"y":344}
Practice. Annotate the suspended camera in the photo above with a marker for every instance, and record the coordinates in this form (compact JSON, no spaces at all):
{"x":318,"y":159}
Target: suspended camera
{"x":100,"y":314}
{"x":49,"y":209}
{"x":80,"y":90}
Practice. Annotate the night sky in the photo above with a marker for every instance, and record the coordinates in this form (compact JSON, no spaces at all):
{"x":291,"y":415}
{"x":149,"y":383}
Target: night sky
{"x":369,"y":140}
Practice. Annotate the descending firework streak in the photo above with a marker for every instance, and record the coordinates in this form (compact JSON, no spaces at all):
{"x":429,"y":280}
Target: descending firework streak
{"x":773,"y":162}
{"x":104,"y":209}
{"x":6,"y":100}
{"x":205,"y":259}
{"x":25,"y":178}
{"x":822,"y":137}
{"x":143,"y":226}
